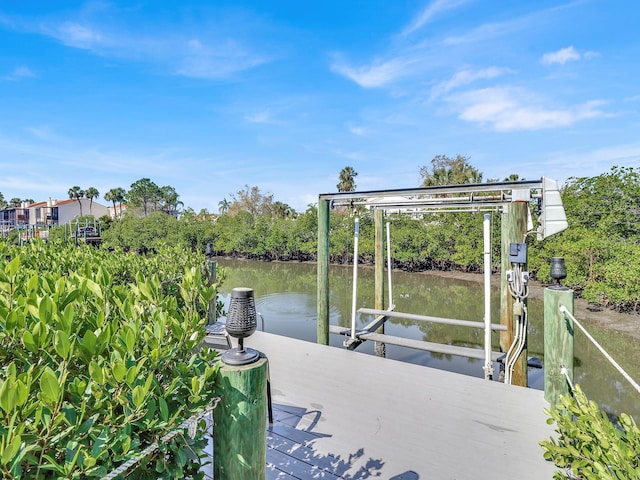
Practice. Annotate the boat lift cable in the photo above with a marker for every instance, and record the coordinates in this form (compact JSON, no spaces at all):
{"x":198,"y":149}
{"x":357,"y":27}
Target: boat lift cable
{"x":615,"y":364}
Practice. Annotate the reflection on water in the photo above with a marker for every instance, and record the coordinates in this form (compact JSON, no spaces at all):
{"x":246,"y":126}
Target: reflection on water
{"x":286,"y":297}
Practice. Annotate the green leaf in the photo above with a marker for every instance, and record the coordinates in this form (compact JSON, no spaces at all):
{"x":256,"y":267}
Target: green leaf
{"x":61,"y":344}
{"x":49,"y":387}
{"x":138,"y":395}
{"x":86,"y":426}
{"x":89,"y":342}
{"x":119,"y":370}
{"x":164,"y":409}
{"x":94,"y":288}
{"x":145,"y":289}
{"x":29,"y":342}
{"x":13,"y":267}
{"x":8,"y":399}
{"x":45,"y":309}
{"x":98,"y":444}
{"x":96,"y":372}
{"x":11,"y":450}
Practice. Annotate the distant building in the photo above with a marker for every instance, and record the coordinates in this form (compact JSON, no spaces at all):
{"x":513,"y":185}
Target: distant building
{"x":49,"y":213}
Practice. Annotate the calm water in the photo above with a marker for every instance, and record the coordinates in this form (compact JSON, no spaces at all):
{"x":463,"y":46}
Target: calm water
{"x":286,"y":298}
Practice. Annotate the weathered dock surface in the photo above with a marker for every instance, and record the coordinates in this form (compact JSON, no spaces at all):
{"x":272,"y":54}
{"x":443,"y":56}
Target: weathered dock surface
{"x":345,"y":415}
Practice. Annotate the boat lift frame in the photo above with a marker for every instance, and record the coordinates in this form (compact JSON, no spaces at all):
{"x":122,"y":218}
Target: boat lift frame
{"x":485,"y":197}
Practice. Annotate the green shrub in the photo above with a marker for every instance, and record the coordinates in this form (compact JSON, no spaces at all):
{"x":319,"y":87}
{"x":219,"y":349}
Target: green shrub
{"x":99,"y":361}
{"x":588,"y":445}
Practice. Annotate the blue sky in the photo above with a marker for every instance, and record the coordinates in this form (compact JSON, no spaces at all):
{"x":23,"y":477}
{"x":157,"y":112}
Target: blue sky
{"x":211,"y":96}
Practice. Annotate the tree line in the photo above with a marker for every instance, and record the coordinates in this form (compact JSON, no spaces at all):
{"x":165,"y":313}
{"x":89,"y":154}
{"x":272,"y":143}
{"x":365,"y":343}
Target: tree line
{"x":600,"y":246}
{"x":143,"y":197}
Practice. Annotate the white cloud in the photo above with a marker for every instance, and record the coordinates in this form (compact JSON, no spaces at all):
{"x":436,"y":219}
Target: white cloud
{"x":44,"y":133}
{"x":359,"y":131}
{"x":216,"y":61}
{"x":76,"y":35}
{"x":197,"y":52}
{"x":260,"y":117}
{"x":19,"y":73}
{"x":379,"y":73}
{"x":511,"y":109}
{"x":465,"y":77}
{"x":561,"y":57}
{"x":432,"y":10}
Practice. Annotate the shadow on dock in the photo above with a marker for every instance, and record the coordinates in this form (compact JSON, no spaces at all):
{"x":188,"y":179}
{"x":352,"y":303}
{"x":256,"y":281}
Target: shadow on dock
{"x":292,"y":452}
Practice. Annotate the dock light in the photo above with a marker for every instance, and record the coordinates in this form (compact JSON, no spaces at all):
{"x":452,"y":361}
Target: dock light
{"x":241,"y":323}
{"x":558,"y":271}
{"x":208,"y":253}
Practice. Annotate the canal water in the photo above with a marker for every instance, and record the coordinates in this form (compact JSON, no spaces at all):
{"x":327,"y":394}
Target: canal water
{"x":286,"y":298}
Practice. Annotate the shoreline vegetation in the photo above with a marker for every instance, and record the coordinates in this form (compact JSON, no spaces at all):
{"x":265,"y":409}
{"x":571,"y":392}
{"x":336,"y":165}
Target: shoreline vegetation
{"x":625,"y":323}
{"x":599,"y":247}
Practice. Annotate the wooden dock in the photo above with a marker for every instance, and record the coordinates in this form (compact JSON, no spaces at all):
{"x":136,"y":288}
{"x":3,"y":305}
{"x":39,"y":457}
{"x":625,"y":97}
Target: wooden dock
{"x":341,"y":414}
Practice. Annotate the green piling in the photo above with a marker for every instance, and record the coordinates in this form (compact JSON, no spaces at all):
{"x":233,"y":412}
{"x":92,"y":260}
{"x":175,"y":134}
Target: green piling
{"x":323,"y":272}
{"x":558,"y":343}
{"x":240,"y":422}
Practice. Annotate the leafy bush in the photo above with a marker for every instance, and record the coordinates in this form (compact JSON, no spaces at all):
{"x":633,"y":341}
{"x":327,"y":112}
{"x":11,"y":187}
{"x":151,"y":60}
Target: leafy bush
{"x":588,"y":445}
{"x":98,"y":361}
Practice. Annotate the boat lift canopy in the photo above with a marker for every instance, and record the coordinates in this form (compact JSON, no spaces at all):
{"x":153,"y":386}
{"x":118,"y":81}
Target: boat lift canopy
{"x":475,"y":197}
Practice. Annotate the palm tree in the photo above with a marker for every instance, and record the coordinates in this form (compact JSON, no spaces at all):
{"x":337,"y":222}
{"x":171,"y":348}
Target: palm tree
{"x":346,"y":180}
{"x":282,"y":210}
{"x":77,"y":193}
{"x":115,"y":195}
{"x":223,"y":206}
{"x":169,"y":199}
{"x":91,"y":193}
{"x":514,"y":177}
{"x":449,"y":171}
{"x":15,"y":202}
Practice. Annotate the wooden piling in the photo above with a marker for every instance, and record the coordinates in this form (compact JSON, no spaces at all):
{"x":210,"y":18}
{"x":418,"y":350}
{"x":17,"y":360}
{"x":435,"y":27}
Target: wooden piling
{"x":240,"y":422}
{"x":514,"y":228}
{"x":323,"y":272}
{"x":558,"y":343}
{"x":380,"y":347}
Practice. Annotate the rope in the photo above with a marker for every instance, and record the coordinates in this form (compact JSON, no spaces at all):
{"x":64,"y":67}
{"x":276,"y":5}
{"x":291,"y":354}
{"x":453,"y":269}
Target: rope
{"x":189,"y":424}
{"x":564,"y":371}
{"x":568,"y":314}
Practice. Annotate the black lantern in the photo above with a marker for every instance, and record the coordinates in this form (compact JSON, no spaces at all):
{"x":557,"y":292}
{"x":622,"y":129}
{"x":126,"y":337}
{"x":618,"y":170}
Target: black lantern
{"x":558,"y":271}
{"x":241,"y":322}
{"x":208,"y":253}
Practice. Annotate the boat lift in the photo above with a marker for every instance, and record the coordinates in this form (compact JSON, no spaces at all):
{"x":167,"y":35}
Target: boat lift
{"x":486,"y":197}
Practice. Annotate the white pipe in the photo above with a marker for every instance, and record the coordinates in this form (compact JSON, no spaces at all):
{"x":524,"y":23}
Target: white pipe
{"x":508,"y":359}
{"x":390,"y":305}
{"x":354,"y":301}
{"x":488,"y":364}
{"x":522,"y":323}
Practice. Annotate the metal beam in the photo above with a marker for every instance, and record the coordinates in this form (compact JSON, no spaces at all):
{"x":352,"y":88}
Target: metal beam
{"x":426,"y":192}
{"x":426,"y":318}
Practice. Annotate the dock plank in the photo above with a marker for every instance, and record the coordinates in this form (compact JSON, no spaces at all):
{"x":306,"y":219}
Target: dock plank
{"x":372,"y":417}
